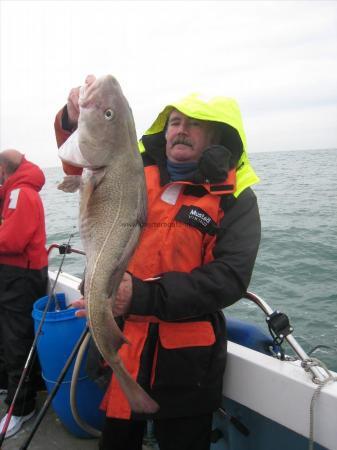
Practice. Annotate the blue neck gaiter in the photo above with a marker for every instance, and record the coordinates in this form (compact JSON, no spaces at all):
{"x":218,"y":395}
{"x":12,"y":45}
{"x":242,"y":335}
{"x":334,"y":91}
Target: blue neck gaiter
{"x":181,"y":171}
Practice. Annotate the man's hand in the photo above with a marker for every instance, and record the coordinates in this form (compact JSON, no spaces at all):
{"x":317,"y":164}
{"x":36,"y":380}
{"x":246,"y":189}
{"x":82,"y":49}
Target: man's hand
{"x":122,"y":300}
{"x":72,"y":107}
{"x":80,"y":303}
{"x":123,"y":296}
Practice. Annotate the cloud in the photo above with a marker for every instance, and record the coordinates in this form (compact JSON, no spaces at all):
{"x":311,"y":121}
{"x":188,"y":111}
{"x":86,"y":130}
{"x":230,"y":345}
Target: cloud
{"x":278,"y":59}
{"x":296,"y":129}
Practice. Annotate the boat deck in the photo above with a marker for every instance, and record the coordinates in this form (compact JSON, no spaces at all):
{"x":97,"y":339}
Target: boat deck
{"x":51,"y":433}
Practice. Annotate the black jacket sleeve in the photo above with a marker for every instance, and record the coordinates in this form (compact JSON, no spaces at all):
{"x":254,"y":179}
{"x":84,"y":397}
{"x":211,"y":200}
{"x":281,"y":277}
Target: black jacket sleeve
{"x":213,"y":286}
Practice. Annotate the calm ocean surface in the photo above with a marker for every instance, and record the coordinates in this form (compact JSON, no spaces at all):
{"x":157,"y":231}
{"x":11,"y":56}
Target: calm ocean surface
{"x":296,"y":268}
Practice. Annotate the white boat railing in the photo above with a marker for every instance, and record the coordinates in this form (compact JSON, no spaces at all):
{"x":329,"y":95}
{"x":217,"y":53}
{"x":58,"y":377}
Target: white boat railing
{"x":319,"y":374}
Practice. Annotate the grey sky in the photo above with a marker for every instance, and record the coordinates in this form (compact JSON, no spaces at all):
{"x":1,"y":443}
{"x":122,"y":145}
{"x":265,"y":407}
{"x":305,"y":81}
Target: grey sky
{"x":277,"y":58}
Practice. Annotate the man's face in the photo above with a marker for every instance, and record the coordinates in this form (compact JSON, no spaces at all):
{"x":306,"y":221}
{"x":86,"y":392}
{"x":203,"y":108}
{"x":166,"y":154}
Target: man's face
{"x":186,"y":138}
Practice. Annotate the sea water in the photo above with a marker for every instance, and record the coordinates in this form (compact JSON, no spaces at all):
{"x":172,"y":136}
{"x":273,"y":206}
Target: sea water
{"x":296,"y":267}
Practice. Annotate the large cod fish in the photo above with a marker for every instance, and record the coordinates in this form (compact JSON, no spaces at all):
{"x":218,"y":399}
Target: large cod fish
{"x":112,"y":211}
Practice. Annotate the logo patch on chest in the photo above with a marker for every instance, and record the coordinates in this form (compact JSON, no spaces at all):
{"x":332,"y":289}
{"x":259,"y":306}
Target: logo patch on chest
{"x":198,"y":218}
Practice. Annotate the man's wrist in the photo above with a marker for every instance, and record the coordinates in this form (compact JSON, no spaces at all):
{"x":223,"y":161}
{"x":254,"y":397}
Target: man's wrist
{"x":66,"y":124}
{"x":141,"y":295}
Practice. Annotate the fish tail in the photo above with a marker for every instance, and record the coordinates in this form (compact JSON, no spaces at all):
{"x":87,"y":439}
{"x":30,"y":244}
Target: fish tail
{"x":139,"y":400}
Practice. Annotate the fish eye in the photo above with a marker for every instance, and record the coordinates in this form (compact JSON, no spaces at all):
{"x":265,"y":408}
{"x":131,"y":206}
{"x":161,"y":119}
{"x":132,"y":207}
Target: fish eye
{"x":109,"y":114}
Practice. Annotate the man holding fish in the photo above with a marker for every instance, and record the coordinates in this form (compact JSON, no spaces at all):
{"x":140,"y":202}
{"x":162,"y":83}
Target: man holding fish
{"x":194,"y":256}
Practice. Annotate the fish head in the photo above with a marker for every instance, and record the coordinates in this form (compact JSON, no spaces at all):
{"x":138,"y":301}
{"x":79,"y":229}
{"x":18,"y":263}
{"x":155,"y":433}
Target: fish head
{"x":103,"y":120}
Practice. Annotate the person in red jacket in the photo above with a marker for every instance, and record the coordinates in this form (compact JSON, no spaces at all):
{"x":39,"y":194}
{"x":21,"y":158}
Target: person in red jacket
{"x":23,"y":275}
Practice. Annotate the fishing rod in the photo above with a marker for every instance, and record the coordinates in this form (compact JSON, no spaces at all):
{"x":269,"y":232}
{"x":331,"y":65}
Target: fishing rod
{"x":56,"y":387}
{"x":31,"y":353}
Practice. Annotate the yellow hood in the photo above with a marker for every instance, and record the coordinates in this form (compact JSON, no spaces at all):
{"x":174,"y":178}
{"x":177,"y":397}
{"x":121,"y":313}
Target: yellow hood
{"x":217,"y":109}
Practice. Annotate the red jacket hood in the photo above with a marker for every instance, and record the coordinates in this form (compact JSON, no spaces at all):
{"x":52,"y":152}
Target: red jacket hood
{"x":28,"y":174}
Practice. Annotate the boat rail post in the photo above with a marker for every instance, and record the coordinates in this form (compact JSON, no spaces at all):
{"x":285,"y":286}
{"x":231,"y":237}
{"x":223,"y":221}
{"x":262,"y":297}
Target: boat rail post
{"x":317,"y":373}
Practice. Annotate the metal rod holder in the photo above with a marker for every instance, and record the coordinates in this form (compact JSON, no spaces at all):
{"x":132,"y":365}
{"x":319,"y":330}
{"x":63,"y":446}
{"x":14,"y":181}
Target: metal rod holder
{"x":318,"y":374}
{"x":69,"y":250}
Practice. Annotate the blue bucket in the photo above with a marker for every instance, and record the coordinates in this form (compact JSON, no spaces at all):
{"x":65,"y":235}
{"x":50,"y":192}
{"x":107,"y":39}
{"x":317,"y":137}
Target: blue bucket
{"x":60,"y":332}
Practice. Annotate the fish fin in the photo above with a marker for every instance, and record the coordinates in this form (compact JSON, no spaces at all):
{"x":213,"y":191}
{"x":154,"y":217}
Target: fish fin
{"x":86,"y":192}
{"x":139,"y":400}
{"x":91,"y":178}
{"x":70,"y":183}
{"x":118,"y":337}
{"x":97,"y":176}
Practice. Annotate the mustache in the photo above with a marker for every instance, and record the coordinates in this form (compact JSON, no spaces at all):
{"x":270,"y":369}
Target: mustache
{"x":181,"y":140}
